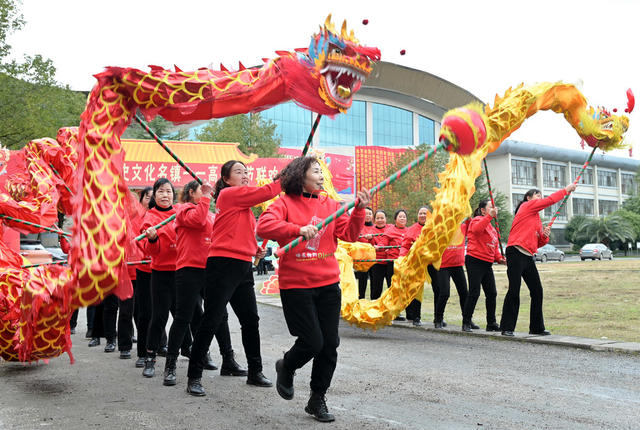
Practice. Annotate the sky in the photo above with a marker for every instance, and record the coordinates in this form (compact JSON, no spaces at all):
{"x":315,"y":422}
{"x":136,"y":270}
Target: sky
{"x":484,"y":47}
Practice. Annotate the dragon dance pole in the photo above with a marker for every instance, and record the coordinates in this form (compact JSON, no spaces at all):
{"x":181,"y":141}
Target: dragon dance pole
{"x":493,"y":203}
{"x":313,"y":131}
{"x":372,"y":235}
{"x":56,"y":172}
{"x":390,"y":180}
{"x":55,"y":263}
{"x":157,"y":226}
{"x":584,"y":167}
{"x":375,"y":260}
{"x":389,"y":247}
{"x":166,"y":148}
{"x":50,"y":229}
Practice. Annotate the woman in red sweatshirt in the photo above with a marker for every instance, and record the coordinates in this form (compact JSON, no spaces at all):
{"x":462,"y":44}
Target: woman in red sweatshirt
{"x":395,"y":233}
{"x":414,"y":310}
{"x":451,"y":267}
{"x":526,"y":236}
{"x":309,"y":276}
{"x":380,"y":271}
{"x":194,"y":223}
{"x":229,"y":272}
{"x":483,"y":250}
{"x":365,"y":237}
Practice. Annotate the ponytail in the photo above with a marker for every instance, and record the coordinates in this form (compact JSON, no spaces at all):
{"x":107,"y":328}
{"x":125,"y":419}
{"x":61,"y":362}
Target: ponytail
{"x":527,"y":195}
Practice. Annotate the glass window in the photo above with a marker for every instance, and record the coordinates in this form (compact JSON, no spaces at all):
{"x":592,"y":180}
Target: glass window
{"x":346,"y":129}
{"x":392,"y":126}
{"x":553,"y":175}
{"x":583,"y":207}
{"x":550,"y":211}
{"x":293,"y":123}
{"x":425,"y":131}
{"x":607,"y":178}
{"x":587,"y":176}
{"x":523,"y":173}
{"x":516,"y":199}
{"x":628,"y":183}
{"x":607,"y":207}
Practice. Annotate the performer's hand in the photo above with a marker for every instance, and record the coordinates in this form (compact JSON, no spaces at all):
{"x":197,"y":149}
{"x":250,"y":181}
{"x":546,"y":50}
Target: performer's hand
{"x":502,"y":261}
{"x":368,"y":236}
{"x":493,"y":212}
{"x":151,"y":233}
{"x":308,"y":231}
{"x":547,"y":230}
{"x":570,"y":188}
{"x":364,"y":198}
{"x":207,"y":189}
{"x":261,"y":253}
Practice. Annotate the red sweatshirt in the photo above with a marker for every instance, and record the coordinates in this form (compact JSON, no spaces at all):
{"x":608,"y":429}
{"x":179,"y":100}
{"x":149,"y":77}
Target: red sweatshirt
{"x":140,"y":253}
{"x":366,"y":229}
{"x":382,"y":240}
{"x":233,"y":233}
{"x":194,"y":224}
{"x":163,"y":250}
{"x":312,"y":263}
{"x":482,"y":239}
{"x":526,"y":229}
{"x":409,"y":237}
{"x":396,"y":234}
{"x":453,"y":256}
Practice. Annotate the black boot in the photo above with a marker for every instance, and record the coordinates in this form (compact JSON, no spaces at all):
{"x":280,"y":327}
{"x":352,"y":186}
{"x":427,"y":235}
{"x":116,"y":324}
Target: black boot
{"x":437,"y":324}
{"x":230,"y":367}
{"x":259,"y":380}
{"x":208,"y":362}
{"x":284,"y":380}
{"x":194,"y":387}
{"x":149,"y":367}
{"x":170,"y":371}
{"x":317,"y":406}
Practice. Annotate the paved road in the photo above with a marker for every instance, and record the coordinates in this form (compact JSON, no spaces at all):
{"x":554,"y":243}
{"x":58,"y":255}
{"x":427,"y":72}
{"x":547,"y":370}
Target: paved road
{"x":397,"y":378}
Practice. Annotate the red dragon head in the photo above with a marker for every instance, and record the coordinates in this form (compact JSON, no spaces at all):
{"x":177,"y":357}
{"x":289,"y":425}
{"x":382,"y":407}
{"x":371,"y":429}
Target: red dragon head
{"x":338,"y":66}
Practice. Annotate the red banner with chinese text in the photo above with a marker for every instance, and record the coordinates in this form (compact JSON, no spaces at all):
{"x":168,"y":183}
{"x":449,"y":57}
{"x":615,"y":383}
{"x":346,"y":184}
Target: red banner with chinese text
{"x":371,"y":165}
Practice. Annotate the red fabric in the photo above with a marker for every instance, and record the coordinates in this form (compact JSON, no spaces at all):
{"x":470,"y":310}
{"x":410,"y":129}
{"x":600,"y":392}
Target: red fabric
{"x":453,"y":256}
{"x":233,"y":233}
{"x":526,"y":229}
{"x":382,"y":240}
{"x":312,"y":263}
{"x":138,"y":252}
{"x":395,"y":234}
{"x":367,"y":229}
{"x":194,"y":224}
{"x":482,"y":239}
{"x":162,"y":251}
{"x":409,"y":237}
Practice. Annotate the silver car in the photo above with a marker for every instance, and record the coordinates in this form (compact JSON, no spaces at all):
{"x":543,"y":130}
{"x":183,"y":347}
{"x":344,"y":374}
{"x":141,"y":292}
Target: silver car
{"x":549,"y":252}
{"x":595,"y":251}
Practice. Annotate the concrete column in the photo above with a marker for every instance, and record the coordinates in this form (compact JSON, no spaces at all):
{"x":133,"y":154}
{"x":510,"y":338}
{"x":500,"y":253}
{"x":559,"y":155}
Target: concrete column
{"x":416,"y":129}
{"x":540,"y":171}
{"x":570,"y":201}
{"x":596,"y":206}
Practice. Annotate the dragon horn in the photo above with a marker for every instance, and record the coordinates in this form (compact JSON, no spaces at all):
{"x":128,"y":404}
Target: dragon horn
{"x":343,"y":31}
{"x":328,"y":25}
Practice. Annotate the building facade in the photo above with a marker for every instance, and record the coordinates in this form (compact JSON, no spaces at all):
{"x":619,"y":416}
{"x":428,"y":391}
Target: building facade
{"x":515,"y":167}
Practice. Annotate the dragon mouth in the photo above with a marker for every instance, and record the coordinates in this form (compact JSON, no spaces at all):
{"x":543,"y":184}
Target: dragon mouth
{"x":341,"y":82}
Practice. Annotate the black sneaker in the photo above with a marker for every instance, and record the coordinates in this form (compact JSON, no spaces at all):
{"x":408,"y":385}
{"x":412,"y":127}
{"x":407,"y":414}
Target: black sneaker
{"x":140,"y":362}
{"x":400,"y":318}
{"x":110,"y":347}
{"x":194,"y":387}
{"x":149,"y":367}
{"x":126,"y":355}
{"x":284,"y":380}
{"x":317,"y":406}
{"x":474,"y":326}
{"x":417,"y":322}
{"x":493,"y":327}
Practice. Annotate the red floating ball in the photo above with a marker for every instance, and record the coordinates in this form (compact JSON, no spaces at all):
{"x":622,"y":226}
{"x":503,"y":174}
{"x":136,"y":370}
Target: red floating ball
{"x":365,"y":21}
{"x":403,"y":52}
{"x":615,"y":110}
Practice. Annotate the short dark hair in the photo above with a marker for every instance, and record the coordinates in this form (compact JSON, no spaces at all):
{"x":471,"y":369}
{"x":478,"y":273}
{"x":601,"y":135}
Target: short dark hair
{"x":144,"y":192}
{"x":157,"y":184}
{"x":380,"y":210}
{"x":225,"y":172}
{"x":292,"y":176}
{"x":395,"y":217}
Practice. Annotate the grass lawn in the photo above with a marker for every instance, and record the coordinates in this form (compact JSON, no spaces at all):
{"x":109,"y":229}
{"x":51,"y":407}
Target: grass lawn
{"x":595,"y":299}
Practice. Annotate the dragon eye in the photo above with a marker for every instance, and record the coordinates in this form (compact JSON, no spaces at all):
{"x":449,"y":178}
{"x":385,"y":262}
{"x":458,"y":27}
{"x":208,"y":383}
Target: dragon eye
{"x":335,"y":51}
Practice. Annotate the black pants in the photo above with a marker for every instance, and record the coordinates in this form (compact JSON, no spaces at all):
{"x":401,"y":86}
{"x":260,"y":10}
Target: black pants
{"x":98,"y":320}
{"x":163,"y":297}
{"x":521,"y":266}
{"x":363,"y":279}
{"x":190,"y":283}
{"x":125,"y":321}
{"x":480,"y":273}
{"x":142,"y":306}
{"x":110,"y":316}
{"x":445,"y":274}
{"x":262,"y":267}
{"x":73,"y":321}
{"x":228,"y":280}
{"x":435,"y":287}
{"x":91,"y":317}
{"x":312,"y":316}
{"x":380,"y":272}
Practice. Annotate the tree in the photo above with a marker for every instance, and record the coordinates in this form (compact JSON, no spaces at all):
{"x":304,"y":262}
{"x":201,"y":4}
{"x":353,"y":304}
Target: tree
{"x":604,"y":230}
{"x":254,"y":134}
{"x":32,"y":103}
{"x":160,"y":126}
{"x":572,"y":227}
{"x":632,"y":204}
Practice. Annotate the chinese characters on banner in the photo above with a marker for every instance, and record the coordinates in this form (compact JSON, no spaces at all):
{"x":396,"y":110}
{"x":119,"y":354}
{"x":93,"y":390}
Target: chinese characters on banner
{"x":371,"y":165}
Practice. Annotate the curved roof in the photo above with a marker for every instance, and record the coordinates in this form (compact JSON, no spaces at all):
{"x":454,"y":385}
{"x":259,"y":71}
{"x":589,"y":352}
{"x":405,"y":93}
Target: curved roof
{"x":189,"y":152}
{"x":404,"y":81}
{"x":553,"y":153}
